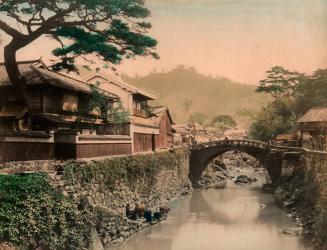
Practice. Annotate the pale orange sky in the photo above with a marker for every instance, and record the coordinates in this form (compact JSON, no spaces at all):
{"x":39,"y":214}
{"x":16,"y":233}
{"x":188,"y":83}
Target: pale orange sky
{"x":238,"y":39}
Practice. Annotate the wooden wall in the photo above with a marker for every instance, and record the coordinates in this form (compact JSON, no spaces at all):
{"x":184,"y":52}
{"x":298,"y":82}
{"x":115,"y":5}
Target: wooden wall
{"x":25,"y":151}
{"x":165,"y":138}
{"x":28,"y":151}
{"x":89,"y":150}
{"x":144,"y":142}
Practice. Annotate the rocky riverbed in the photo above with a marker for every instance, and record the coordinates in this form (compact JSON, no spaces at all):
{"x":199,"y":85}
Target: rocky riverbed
{"x":234,"y":217}
{"x":234,"y":166}
{"x":229,"y":167}
{"x":288,"y":196}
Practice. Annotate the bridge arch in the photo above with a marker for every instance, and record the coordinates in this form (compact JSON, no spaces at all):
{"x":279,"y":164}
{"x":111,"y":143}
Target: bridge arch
{"x":201,"y":155}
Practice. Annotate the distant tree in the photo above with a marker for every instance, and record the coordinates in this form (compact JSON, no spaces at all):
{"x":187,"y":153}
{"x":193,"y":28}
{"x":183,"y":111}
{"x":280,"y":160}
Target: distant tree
{"x":269,"y":123}
{"x":187,"y":103}
{"x":295,"y":94}
{"x":113,"y":30}
{"x":279,"y":82}
{"x":198,"y":118}
{"x":312,"y":92}
{"x":223,"y":122}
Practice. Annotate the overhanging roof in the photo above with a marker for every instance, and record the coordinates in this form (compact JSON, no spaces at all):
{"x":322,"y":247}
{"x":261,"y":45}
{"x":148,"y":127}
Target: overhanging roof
{"x":118,"y":81}
{"x":13,"y":110}
{"x":37,"y":73}
{"x":314,"y":115}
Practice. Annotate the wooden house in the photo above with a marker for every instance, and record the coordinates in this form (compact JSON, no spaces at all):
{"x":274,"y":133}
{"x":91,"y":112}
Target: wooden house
{"x":143,"y":130}
{"x":312,"y":129}
{"x":56,"y":122}
{"x":56,"y":101}
{"x":162,"y":119}
{"x":183,"y":133}
{"x":200,"y":133}
{"x":287,"y":139}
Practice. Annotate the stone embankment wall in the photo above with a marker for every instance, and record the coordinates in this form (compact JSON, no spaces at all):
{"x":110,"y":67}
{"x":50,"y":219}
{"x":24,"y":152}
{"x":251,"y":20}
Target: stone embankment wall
{"x":109,"y":184}
{"x":304,"y":192}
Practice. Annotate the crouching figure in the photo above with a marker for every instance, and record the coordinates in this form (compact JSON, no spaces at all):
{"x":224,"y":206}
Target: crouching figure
{"x":139,"y":210}
{"x":164,"y":211}
{"x":148,"y":215}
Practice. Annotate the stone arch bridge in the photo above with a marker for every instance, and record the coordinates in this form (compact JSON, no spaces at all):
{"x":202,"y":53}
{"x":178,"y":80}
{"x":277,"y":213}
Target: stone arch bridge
{"x":270,"y":156}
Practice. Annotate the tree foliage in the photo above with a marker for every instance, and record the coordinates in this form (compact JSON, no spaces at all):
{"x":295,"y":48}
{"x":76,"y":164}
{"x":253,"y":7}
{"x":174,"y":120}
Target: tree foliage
{"x":270,"y":122}
{"x":223,"y":122}
{"x":111,"y":29}
{"x":198,"y":118}
{"x":279,"y":82}
{"x":312,"y":92}
{"x":295,"y":94}
{"x":118,"y":114}
{"x":108,"y":112}
{"x":187,"y":103}
{"x":99,"y":102}
{"x":35,"y":216}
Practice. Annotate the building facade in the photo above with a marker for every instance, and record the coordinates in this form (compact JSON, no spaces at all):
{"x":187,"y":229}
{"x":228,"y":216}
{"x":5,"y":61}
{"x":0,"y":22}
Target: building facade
{"x":312,"y":129}
{"x":146,"y":131}
{"x":55,"y":120}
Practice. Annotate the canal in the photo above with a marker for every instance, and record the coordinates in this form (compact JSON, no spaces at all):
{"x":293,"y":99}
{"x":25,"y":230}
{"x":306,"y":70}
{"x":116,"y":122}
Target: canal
{"x":233,"y":218}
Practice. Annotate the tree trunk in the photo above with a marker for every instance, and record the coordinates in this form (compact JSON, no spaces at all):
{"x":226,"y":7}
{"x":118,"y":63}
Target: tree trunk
{"x":14,"y":74}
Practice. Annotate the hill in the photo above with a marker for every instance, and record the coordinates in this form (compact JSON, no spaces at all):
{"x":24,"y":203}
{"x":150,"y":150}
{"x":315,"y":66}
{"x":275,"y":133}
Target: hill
{"x":186,"y":92}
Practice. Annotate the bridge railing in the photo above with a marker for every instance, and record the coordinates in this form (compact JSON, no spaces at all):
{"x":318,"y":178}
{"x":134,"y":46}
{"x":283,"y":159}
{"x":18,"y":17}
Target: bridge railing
{"x":253,"y":143}
{"x":231,"y":142}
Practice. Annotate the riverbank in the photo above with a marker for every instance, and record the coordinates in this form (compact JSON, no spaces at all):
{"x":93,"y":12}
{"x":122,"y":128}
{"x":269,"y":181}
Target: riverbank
{"x":100,"y":189}
{"x":225,"y":218}
{"x":303,"y":193}
{"x":235,"y":166}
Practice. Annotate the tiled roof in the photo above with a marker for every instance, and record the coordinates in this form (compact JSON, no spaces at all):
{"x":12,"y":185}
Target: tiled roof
{"x":183,"y":128}
{"x":143,"y":121}
{"x":285,"y":137}
{"x":158,"y":114}
{"x":26,"y":71}
{"x":118,"y":81}
{"x":36,"y":72}
{"x":314,"y":115}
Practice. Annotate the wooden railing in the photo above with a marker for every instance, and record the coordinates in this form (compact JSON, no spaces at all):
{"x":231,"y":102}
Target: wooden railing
{"x":140,"y":112}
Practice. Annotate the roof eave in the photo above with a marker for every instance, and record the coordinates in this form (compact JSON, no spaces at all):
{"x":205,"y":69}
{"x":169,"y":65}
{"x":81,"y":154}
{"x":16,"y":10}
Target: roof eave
{"x":149,"y":96}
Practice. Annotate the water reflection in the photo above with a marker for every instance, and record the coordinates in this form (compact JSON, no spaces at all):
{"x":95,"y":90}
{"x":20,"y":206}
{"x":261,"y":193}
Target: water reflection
{"x":226,"y":219}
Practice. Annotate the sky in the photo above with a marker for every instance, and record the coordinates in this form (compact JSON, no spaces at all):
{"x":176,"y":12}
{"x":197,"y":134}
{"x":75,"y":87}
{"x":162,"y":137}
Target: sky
{"x":238,"y":39}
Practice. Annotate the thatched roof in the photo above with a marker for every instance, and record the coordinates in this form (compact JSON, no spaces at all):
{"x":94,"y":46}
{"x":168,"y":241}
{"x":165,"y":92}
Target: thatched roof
{"x":314,"y":115}
{"x":37,"y":73}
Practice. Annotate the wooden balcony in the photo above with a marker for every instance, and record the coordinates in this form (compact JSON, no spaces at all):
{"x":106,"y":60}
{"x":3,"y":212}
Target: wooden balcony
{"x":141,"y":112}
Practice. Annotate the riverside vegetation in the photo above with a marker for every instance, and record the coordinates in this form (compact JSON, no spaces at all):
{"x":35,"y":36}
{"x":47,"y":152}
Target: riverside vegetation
{"x":72,"y":204}
{"x":82,"y":204}
{"x":301,"y":191}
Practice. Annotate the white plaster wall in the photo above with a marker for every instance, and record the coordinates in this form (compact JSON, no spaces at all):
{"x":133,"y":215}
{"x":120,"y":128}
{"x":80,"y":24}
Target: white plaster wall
{"x":125,"y":96}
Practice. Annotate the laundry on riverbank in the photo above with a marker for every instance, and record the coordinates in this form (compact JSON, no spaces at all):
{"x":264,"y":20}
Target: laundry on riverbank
{"x":140,"y":212}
